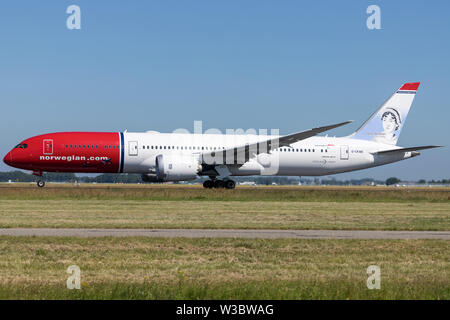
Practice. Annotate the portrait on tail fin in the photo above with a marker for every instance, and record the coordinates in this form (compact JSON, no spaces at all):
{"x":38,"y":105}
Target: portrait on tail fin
{"x":385,"y":124}
{"x":391,"y":122}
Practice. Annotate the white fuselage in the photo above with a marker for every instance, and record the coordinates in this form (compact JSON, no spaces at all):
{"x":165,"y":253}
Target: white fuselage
{"x":314,"y":156}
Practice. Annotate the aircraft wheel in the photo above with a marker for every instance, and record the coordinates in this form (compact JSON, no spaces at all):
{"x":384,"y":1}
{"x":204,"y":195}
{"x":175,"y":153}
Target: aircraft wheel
{"x":208,"y":184}
{"x":40,"y":183}
{"x":219,"y":184}
{"x":230,"y":184}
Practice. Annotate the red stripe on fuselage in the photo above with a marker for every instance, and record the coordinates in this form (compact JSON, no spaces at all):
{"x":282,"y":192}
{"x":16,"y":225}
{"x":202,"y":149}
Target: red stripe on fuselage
{"x":93,"y":152}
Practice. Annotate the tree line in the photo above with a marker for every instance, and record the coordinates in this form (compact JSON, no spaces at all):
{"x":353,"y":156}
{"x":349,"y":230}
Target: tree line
{"x":20,"y":176}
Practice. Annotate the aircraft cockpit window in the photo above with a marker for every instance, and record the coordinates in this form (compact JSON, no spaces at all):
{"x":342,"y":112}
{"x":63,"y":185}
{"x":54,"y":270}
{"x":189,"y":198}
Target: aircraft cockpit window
{"x":21,"y":146}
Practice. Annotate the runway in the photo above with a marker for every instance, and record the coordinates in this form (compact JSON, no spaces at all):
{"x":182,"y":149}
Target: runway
{"x":226,"y":233}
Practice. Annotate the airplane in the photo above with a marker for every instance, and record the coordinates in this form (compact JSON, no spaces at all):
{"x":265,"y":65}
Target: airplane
{"x":163,"y":157}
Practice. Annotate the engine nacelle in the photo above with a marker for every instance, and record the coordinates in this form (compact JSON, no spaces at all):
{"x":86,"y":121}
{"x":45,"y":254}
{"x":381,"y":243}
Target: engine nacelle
{"x":173,"y":168}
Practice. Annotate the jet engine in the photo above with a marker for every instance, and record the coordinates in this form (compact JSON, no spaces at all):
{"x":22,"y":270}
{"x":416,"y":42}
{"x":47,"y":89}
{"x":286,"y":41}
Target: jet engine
{"x":174,"y":168}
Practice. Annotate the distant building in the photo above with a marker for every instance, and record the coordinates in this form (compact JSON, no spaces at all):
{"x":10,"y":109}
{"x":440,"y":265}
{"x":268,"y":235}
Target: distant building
{"x":248,"y":183}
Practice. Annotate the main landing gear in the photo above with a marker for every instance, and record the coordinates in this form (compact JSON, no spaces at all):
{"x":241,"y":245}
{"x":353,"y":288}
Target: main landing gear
{"x":227,"y":184}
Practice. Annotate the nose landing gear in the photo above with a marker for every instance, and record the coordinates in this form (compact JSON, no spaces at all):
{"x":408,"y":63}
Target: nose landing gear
{"x":39,"y":183}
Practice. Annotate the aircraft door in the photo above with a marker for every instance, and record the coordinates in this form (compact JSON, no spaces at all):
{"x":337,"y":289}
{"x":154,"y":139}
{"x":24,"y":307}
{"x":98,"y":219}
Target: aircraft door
{"x":344,"y":152}
{"x":48,"y":146}
{"x":132,"y":148}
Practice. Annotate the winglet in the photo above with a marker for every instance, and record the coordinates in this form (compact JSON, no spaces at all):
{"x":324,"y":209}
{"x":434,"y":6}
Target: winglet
{"x":412,"y":86}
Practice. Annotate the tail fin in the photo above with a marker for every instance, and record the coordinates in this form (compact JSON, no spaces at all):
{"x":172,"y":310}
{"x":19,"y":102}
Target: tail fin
{"x":386,"y":123}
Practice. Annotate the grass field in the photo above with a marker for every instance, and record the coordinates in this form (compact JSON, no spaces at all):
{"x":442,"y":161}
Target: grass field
{"x":161,"y":206}
{"x":153,"y":268}
{"x":224,"y":214}
{"x":164,"y":192}
{"x":142,"y":268}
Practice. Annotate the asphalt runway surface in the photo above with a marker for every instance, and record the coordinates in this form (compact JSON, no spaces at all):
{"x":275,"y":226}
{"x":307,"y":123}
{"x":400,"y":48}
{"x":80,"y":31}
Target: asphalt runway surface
{"x":227,"y":233}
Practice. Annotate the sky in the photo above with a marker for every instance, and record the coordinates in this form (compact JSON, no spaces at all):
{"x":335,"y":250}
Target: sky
{"x":287,"y":65}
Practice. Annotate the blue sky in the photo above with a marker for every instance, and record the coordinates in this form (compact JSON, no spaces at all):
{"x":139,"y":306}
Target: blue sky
{"x":160,"y":65}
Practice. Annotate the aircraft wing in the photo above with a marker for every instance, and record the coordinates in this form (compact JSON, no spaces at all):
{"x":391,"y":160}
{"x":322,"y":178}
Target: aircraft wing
{"x":405,"y":149}
{"x":244,"y":152}
{"x":294,"y":137}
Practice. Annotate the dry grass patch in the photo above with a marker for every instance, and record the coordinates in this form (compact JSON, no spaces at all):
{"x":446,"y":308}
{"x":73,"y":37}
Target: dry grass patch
{"x":224,"y":214}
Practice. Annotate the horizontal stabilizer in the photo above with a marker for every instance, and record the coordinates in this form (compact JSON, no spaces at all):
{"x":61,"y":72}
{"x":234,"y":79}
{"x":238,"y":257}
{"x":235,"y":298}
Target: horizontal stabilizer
{"x":406,"y":149}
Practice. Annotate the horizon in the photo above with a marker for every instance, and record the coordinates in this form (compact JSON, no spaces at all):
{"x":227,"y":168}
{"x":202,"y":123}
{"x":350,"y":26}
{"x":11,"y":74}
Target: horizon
{"x":321,"y":179}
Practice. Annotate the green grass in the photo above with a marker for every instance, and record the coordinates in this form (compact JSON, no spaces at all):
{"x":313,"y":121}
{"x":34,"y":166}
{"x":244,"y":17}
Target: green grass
{"x":175,"y":206}
{"x":245,"y":290}
{"x":241,"y":193}
{"x":152,"y":268}
{"x":224,"y":214}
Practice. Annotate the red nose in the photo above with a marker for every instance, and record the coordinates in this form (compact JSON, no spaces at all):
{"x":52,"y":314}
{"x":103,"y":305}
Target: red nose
{"x":8,"y":159}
